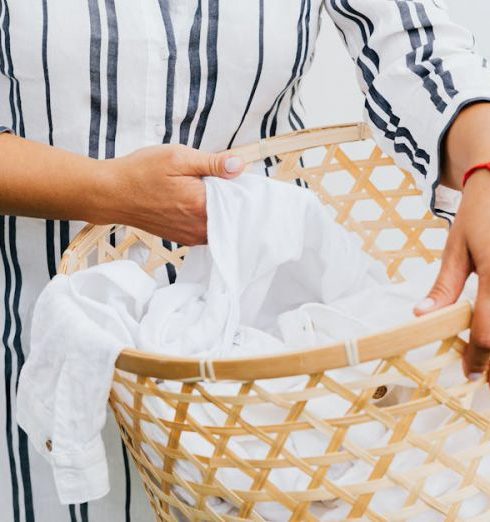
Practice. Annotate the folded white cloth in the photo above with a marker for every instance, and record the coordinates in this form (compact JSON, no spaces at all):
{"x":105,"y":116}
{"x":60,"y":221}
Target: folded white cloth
{"x":278,"y":274}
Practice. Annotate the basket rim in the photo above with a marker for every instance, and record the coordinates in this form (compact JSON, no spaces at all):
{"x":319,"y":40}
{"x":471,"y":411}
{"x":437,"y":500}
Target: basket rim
{"x":386,"y":344}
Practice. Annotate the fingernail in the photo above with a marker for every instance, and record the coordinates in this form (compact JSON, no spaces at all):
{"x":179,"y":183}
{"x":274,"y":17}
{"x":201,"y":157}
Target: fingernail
{"x":473,"y":377}
{"x":426,"y":304}
{"x":233,"y":165}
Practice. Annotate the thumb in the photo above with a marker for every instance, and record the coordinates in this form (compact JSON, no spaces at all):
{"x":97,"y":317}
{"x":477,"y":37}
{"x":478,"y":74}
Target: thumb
{"x":222,"y":165}
{"x":455,"y":269}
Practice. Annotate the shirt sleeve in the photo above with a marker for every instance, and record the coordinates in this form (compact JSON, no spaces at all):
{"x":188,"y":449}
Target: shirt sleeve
{"x":417,"y":70}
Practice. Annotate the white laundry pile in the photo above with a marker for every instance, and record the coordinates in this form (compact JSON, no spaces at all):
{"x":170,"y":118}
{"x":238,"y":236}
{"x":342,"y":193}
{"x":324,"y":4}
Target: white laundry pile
{"x":276,"y":265}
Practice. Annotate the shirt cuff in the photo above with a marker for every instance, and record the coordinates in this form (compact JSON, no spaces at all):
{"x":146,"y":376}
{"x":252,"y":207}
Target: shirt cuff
{"x":81,"y":477}
{"x":3,"y":129}
{"x":444,"y":202}
{"x":34,"y":417}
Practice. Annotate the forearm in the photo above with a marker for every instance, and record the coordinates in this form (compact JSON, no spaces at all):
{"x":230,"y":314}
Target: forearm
{"x":467,"y":144}
{"x":40,"y":181}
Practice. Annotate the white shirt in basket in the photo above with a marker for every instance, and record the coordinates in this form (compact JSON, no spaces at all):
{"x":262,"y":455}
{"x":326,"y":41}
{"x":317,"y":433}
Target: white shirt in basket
{"x":105,"y":77}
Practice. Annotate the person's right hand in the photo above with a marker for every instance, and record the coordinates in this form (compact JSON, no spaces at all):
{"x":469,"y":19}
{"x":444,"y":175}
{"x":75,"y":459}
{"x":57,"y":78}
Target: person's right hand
{"x":159,"y":189}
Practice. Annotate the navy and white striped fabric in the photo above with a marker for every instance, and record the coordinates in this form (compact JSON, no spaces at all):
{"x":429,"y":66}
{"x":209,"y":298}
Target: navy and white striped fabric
{"x":105,"y":77}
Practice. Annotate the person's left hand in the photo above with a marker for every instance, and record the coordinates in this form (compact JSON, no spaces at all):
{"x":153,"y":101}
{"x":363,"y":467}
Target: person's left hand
{"x":467,"y":250}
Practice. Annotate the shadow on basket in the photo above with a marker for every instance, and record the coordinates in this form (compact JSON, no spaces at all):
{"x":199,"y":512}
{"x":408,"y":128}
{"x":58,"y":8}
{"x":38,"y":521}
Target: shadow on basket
{"x":296,"y":437}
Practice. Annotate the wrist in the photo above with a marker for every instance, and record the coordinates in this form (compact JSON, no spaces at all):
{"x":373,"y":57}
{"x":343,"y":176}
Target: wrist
{"x":479,"y":178}
{"x":103,"y":192}
{"x":467,"y":144}
{"x":477,"y":169}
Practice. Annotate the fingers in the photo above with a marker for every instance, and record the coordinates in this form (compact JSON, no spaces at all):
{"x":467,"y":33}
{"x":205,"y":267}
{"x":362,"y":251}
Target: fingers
{"x":455,"y":269}
{"x":195,"y":162}
{"x":477,"y":354}
{"x":446,"y":290}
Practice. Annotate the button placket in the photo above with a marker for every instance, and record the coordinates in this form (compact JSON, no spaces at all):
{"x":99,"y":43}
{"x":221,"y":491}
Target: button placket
{"x":164,"y":54}
{"x":160,"y":130}
{"x":157,"y":55}
{"x":183,"y":20}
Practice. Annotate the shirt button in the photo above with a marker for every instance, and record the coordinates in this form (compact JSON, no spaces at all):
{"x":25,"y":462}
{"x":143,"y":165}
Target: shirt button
{"x":380,"y":392}
{"x":159,"y":129}
{"x":49,"y":445}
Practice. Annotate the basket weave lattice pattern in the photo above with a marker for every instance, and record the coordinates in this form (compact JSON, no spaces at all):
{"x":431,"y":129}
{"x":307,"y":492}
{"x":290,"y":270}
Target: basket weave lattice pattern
{"x":157,"y":403}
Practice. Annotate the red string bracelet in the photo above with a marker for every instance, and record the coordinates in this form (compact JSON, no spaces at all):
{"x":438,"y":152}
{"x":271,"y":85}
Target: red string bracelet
{"x":482,"y":166}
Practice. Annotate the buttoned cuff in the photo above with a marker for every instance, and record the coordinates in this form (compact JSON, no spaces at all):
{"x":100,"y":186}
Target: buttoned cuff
{"x":81,"y":477}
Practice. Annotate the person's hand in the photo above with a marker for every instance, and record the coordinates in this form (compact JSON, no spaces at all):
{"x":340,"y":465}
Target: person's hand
{"x":467,"y":250}
{"x":160,"y":189}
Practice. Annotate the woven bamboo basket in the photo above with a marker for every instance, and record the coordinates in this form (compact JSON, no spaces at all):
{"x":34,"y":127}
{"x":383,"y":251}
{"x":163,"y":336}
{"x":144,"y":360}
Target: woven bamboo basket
{"x":326,"y":158}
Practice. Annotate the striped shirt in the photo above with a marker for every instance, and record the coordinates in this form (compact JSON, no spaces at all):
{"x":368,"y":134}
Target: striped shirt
{"x":105,"y":77}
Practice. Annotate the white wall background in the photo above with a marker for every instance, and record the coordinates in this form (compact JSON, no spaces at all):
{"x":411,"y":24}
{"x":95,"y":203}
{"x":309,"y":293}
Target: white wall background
{"x":339,"y":100}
